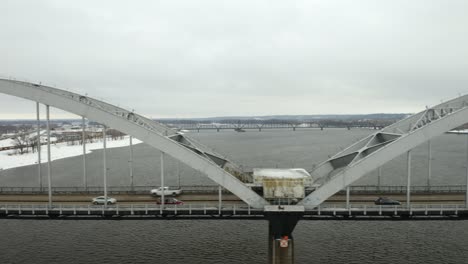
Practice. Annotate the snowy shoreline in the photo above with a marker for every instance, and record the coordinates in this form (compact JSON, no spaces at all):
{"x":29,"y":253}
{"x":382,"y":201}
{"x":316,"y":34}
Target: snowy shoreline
{"x":10,"y":160}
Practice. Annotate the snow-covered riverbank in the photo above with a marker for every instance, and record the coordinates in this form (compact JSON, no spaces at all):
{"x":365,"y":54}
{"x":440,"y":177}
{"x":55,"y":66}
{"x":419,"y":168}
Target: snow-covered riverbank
{"x":10,"y":160}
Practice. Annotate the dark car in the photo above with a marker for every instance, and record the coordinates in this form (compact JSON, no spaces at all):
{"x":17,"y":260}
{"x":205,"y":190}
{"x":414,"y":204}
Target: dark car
{"x":386,"y":201}
{"x":170,"y":201}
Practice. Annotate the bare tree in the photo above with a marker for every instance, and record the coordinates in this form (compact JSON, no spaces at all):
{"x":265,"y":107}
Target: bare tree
{"x":115,"y":134}
{"x":21,"y":143}
{"x":32,"y":142}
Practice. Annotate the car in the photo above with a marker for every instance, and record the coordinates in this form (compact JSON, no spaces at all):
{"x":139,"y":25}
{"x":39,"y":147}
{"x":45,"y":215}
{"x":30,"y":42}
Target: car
{"x":167,"y":191}
{"x":386,"y":201}
{"x":102,"y":200}
{"x":170,"y":201}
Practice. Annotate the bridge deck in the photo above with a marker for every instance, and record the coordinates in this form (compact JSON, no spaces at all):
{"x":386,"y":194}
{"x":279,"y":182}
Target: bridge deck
{"x":229,"y":211}
{"x":207,"y":198}
{"x":203,"y":203}
{"x":196,"y":189}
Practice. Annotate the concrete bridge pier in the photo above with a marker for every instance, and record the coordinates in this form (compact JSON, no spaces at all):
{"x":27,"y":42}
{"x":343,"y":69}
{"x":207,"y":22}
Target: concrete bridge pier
{"x":282,"y":220}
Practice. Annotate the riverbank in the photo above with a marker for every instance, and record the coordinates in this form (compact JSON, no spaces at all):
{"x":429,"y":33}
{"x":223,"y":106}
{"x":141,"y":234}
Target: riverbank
{"x":10,"y":159}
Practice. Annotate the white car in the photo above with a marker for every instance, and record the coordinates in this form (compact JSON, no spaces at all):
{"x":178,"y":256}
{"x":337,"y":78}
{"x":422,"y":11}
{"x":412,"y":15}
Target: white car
{"x":167,"y":191}
{"x":102,"y":200}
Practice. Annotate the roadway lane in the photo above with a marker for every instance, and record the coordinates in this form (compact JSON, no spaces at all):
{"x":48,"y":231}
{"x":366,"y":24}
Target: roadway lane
{"x":227,"y":198}
{"x":121,"y":199}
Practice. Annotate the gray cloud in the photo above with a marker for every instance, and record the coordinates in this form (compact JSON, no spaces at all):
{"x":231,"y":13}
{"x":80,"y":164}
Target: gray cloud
{"x":212,"y":58}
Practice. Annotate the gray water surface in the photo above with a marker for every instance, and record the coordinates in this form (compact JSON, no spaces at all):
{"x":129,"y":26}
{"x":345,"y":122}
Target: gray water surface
{"x":267,"y":149}
{"x":239,"y":241}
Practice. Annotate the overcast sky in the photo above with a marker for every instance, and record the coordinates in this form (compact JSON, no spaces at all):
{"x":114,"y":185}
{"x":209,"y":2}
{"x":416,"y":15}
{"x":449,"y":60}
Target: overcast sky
{"x":223,"y":58}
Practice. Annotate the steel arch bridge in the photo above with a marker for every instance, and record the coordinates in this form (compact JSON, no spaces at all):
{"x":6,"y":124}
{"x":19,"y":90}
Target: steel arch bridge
{"x":333,"y":175}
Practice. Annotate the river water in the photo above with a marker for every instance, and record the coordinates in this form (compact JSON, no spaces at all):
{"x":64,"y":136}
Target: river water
{"x":238,"y":241}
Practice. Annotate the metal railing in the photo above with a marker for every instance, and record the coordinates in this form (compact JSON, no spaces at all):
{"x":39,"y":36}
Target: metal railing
{"x":361,"y":189}
{"x":126,"y":210}
{"x":229,"y":210}
{"x":398,"y":189}
{"x":444,"y":210}
{"x":111,"y":189}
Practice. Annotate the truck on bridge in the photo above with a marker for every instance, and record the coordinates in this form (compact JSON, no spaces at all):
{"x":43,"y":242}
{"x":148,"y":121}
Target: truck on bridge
{"x":166,"y":190}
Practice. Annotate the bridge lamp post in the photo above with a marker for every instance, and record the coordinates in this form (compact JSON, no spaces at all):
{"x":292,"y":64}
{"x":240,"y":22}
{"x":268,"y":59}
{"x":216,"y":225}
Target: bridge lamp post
{"x":130,"y":164}
{"x":39,"y":172}
{"x":429,"y":164}
{"x":466,"y":194}
{"x":49,"y":169}
{"x":83,"y":137}
{"x":408,"y":184}
{"x":347,"y":197}
{"x":379,"y":178}
{"x":104,"y":142}
{"x":220,"y":198}
{"x":162,"y":180}
{"x":178,"y":174}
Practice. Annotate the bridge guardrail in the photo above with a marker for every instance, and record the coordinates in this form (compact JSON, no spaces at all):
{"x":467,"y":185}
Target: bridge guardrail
{"x":402,"y":189}
{"x":111,"y":190}
{"x":361,"y":189}
{"x":448,"y":211}
{"x":133,"y":209}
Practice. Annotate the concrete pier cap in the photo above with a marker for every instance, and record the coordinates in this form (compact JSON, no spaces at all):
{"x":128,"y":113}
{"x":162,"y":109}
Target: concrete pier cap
{"x":278,"y":209}
{"x":282,"y":220}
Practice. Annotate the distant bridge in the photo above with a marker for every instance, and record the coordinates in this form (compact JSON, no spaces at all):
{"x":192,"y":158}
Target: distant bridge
{"x":239,"y":125}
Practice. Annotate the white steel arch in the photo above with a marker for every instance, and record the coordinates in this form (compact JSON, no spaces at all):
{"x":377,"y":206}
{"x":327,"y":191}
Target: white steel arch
{"x":157,"y":135}
{"x":370,"y":153}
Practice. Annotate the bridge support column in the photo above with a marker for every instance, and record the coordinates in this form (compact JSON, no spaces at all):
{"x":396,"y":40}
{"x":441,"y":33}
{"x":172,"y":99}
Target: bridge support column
{"x":282,"y":220}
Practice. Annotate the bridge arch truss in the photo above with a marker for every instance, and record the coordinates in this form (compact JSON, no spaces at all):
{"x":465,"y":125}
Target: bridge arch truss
{"x":333,"y":175}
{"x":179,"y":146}
{"x":375,"y":150}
